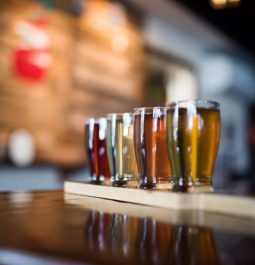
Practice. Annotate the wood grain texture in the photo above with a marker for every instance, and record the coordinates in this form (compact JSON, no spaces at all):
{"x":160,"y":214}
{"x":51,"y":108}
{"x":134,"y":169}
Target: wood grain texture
{"x":217,"y":203}
{"x":86,"y":68}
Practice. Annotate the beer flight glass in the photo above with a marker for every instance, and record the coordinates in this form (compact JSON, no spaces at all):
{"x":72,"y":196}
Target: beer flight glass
{"x":151,"y":148}
{"x":170,"y":148}
{"x":120,"y":149}
{"x":95,"y":145}
{"x":193,"y":133}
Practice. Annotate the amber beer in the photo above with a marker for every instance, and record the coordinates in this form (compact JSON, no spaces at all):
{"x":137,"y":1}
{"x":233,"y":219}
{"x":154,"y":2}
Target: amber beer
{"x":191,"y":244}
{"x":151,"y":148}
{"x":193,"y":132}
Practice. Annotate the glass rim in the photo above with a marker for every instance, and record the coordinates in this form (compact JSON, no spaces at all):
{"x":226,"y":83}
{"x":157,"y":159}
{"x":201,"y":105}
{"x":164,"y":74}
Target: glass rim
{"x":100,"y":119}
{"x":202,"y":103}
{"x":118,"y":115}
{"x":88,"y":120}
{"x":140,"y":109}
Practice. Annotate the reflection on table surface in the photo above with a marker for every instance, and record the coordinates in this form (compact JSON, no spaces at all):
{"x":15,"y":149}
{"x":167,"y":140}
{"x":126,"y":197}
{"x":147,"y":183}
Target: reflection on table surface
{"x":148,"y":241}
{"x":53,"y":225}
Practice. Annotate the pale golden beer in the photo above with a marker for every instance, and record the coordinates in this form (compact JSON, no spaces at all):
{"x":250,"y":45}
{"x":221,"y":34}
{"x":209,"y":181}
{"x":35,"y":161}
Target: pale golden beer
{"x":120,"y":149}
{"x":193,"y":133}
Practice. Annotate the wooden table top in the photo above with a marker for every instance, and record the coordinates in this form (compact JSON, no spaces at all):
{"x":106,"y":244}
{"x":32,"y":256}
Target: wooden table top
{"x":54,"y":227}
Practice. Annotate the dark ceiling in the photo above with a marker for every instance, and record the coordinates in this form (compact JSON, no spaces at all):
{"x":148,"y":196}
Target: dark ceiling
{"x":238,"y":22}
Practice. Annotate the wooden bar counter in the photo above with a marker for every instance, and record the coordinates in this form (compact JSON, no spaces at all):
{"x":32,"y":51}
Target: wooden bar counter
{"x":54,"y":227}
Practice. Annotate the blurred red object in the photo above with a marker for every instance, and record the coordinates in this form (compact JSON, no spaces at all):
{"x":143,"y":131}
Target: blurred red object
{"x":31,"y":54}
{"x":31,"y":63}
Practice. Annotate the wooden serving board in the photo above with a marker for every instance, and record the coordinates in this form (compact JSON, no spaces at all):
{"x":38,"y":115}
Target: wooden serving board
{"x":217,"y":203}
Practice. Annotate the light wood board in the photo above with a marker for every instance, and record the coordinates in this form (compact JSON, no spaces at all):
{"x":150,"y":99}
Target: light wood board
{"x":216,"y":203}
{"x":231,"y":223}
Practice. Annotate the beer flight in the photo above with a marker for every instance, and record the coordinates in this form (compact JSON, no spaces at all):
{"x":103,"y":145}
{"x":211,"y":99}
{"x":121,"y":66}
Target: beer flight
{"x":163,"y":148}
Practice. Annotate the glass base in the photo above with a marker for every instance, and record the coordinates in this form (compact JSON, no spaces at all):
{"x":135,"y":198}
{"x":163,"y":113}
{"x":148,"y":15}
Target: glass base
{"x":125,"y":180}
{"x":147,"y":186}
{"x":119,"y":183}
{"x":132,"y":183}
{"x":164,"y":183}
{"x":164,"y":186}
{"x":107,"y":182}
{"x":204,"y":185}
{"x":97,"y":180}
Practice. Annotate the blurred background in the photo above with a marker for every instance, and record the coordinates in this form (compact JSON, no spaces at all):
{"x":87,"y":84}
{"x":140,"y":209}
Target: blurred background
{"x":62,"y":61}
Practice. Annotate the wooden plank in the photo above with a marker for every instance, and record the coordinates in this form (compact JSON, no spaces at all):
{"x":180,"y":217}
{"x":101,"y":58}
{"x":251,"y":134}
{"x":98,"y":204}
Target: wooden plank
{"x":217,"y":203}
{"x":120,"y":86}
{"x":224,"y":222}
{"x":228,"y":204}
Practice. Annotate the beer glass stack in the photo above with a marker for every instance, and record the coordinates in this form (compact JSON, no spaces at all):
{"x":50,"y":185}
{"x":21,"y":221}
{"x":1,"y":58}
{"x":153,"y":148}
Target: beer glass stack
{"x":163,"y":148}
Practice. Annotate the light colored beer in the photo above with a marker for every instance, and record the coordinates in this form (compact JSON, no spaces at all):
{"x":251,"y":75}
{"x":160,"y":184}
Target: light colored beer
{"x":193,"y":135}
{"x":120,"y":148}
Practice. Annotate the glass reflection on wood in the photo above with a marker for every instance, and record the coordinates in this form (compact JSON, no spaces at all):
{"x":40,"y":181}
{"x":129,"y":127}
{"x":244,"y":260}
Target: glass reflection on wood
{"x":147,"y":241}
{"x":196,"y":242}
{"x":151,"y":235}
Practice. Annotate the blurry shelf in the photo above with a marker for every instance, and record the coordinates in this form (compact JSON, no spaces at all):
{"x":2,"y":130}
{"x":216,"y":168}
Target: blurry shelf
{"x":217,"y":203}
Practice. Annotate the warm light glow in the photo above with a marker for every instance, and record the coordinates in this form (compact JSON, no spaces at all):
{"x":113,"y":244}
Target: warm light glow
{"x":218,"y":3}
{"x":234,"y":2}
{"x":109,"y":19}
{"x":120,"y":42}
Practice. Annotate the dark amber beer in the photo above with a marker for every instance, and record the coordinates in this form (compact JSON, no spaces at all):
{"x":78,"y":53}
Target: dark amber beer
{"x":151,"y":148}
{"x":104,"y":167}
{"x":91,"y":147}
{"x":95,"y":145}
{"x":193,"y":133}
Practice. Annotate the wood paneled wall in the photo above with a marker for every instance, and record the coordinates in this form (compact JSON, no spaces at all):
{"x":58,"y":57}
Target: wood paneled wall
{"x":94,"y":70}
